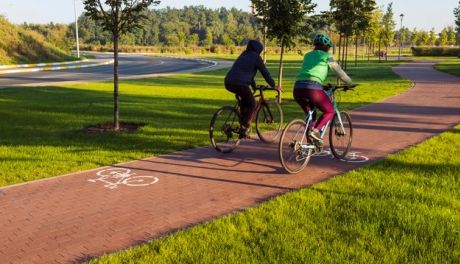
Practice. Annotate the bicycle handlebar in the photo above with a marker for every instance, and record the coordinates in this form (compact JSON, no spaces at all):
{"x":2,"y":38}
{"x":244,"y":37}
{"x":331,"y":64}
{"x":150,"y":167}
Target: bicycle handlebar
{"x":262,"y":88}
{"x":339,"y":87}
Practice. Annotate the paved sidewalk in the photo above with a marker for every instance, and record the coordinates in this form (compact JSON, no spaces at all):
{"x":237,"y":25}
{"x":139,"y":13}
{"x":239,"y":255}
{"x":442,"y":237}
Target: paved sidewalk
{"x":72,"y":218}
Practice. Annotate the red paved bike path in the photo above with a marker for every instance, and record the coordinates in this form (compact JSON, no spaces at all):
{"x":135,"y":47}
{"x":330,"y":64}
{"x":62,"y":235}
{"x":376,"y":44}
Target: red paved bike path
{"x":70,"y":219}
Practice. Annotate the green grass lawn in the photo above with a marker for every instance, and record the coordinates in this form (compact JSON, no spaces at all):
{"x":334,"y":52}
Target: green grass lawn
{"x":41,"y":136}
{"x":404,"y":209}
{"x":451,"y":66}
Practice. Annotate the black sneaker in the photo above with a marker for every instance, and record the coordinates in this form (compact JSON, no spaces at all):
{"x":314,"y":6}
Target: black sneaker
{"x":244,"y":133}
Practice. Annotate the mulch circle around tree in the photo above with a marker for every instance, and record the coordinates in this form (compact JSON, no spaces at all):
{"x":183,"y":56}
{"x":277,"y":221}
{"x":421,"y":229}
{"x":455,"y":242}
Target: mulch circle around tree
{"x":108,"y":127}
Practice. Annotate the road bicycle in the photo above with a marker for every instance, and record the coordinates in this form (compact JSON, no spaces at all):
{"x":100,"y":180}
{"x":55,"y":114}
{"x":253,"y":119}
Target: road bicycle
{"x":118,"y":176}
{"x":296,"y":147}
{"x":225,"y":129}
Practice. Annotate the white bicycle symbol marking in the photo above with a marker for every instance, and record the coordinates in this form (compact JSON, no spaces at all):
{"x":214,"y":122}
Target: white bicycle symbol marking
{"x":352,"y":157}
{"x":117,"y":176}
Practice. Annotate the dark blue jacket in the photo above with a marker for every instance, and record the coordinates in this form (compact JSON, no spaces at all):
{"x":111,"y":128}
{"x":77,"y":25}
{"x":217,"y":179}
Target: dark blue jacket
{"x":245,"y":67}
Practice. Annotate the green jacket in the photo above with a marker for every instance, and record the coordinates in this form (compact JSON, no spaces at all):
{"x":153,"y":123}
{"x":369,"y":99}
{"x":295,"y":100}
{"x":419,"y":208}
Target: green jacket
{"x":315,"y":67}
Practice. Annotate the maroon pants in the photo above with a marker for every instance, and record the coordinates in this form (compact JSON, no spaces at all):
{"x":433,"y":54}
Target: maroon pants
{"x":310,"y":98}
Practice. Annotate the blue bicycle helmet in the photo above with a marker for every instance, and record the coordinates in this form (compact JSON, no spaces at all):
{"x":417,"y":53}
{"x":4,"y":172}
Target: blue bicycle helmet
{"x":323,"y":40}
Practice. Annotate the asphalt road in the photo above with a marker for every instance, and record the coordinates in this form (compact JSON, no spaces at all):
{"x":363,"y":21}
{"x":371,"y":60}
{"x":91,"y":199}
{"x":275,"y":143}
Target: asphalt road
{"x":131,"y":66}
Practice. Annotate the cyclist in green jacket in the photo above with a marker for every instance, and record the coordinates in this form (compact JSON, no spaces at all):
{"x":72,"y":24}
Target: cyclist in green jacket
{"x":312,"y":75}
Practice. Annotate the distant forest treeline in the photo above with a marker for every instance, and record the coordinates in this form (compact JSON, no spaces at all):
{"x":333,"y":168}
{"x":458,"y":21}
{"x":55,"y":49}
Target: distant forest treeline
{"x":189,"y":26}
{"x":198,"y":26}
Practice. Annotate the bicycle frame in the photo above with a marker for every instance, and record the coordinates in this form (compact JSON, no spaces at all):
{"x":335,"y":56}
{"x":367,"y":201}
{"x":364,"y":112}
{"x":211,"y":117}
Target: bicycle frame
{"x":259,"y":104}
{"x":309,"y":120}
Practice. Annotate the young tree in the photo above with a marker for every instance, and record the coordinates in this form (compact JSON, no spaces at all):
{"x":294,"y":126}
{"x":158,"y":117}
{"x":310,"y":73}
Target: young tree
{"x":443,"y":38}
{"x":452,"y":39}
{"x":406,"y":35}
{"x":415,"y":37}
{"x":432,"y":37}
{"x":424,"y":38}
{"x":457,"y":17}
{"x":374,"y":31}
{"x":388,"y":27}
{"x":363,"y":14}
{"x":117,"y":17}
{"x":344,"y":17}
{"x":284,"y":20}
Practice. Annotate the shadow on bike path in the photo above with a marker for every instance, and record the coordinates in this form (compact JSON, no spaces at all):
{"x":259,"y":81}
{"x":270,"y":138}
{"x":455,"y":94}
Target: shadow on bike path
{"x":75,"y":217}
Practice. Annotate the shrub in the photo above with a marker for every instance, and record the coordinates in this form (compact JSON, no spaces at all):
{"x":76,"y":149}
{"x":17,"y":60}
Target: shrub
{"x":435,"y":51}
{"x":215,"y":49}
{"x":233,"y":50}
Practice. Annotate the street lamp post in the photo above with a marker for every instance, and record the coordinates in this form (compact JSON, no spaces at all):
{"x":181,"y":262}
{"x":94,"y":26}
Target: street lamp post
{"x":76,"y":28}
{"x":400,"y":36}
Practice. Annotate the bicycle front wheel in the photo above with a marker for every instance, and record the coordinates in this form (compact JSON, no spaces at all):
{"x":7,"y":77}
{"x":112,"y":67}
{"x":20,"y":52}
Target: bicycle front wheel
{"x":269,"y":121}
{"x":224,"y":128}
{"x":293,"y":152}
{"x":341,"y":135}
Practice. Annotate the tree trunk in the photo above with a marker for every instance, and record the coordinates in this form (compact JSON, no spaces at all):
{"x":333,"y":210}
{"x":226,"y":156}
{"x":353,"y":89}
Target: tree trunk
{"x":280,"y":71}
{"x":346,"y":52}
{"x":386,"y":52}
{"x":380,"y":50}
{"x":344,"y":46}
{"x":340,"y":49}
{"x":369,"y":50}
{"x":356,"y":51}
{"x":265,"y":44}
{"x":116,"y":112}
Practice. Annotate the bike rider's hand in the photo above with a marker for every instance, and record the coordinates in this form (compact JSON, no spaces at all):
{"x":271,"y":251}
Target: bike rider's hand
{"x":351,"y":86}
{"x":328,"y":86}
{"x":278,"y":88}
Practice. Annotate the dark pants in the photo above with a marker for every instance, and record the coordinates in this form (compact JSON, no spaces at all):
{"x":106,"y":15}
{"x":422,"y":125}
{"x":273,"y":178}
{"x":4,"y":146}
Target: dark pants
{"x":316,"y":99}
{"x":246,"y":101}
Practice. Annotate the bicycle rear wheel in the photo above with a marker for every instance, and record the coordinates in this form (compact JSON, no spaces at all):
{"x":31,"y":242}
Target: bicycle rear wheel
{"x":293,"y":154}
{"x":224,"y":128}
{"x":269,"y":121}
{"x":340,"y":137}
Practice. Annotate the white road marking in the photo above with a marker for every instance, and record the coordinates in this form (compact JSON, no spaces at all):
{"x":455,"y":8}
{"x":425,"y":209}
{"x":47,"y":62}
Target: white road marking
{"x":114,"y":177}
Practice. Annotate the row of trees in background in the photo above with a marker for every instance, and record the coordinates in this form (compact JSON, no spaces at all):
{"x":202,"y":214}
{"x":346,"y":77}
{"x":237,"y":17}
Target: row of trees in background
{"x":200,"y":26}
{"x":194,"y":25}
{"x":447,"y":37}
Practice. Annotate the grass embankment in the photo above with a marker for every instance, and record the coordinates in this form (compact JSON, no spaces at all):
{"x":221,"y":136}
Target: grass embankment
{"x":400,"y":210}
{"x":40,"y":127}
{"x":19,"y":45}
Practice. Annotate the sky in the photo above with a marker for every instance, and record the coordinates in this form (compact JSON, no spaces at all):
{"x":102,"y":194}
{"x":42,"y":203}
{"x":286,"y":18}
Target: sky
{"x":423,"y":14}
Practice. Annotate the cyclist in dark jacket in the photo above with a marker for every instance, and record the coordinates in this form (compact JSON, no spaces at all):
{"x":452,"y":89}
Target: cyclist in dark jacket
{"x":241,"y":76}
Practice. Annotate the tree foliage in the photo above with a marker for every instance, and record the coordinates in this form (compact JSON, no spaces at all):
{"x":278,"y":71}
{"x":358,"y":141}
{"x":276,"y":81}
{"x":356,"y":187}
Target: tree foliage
{"x":388,"y":25}
{"x":457,"y":17}
{"x":352,"y":16}
{"x":284,"y":20}
{"x":118,"y":17}
{"x":443,"y":37}
{"x":164,"y":27}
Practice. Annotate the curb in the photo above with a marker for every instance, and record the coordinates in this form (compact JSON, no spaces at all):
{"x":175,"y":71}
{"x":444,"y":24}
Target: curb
{"x":53,"y":68}
{"x":214,"y":63}
{"x":2,"y":67}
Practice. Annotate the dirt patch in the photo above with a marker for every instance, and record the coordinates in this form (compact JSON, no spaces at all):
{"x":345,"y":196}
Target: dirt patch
{"x":108,"y":127}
